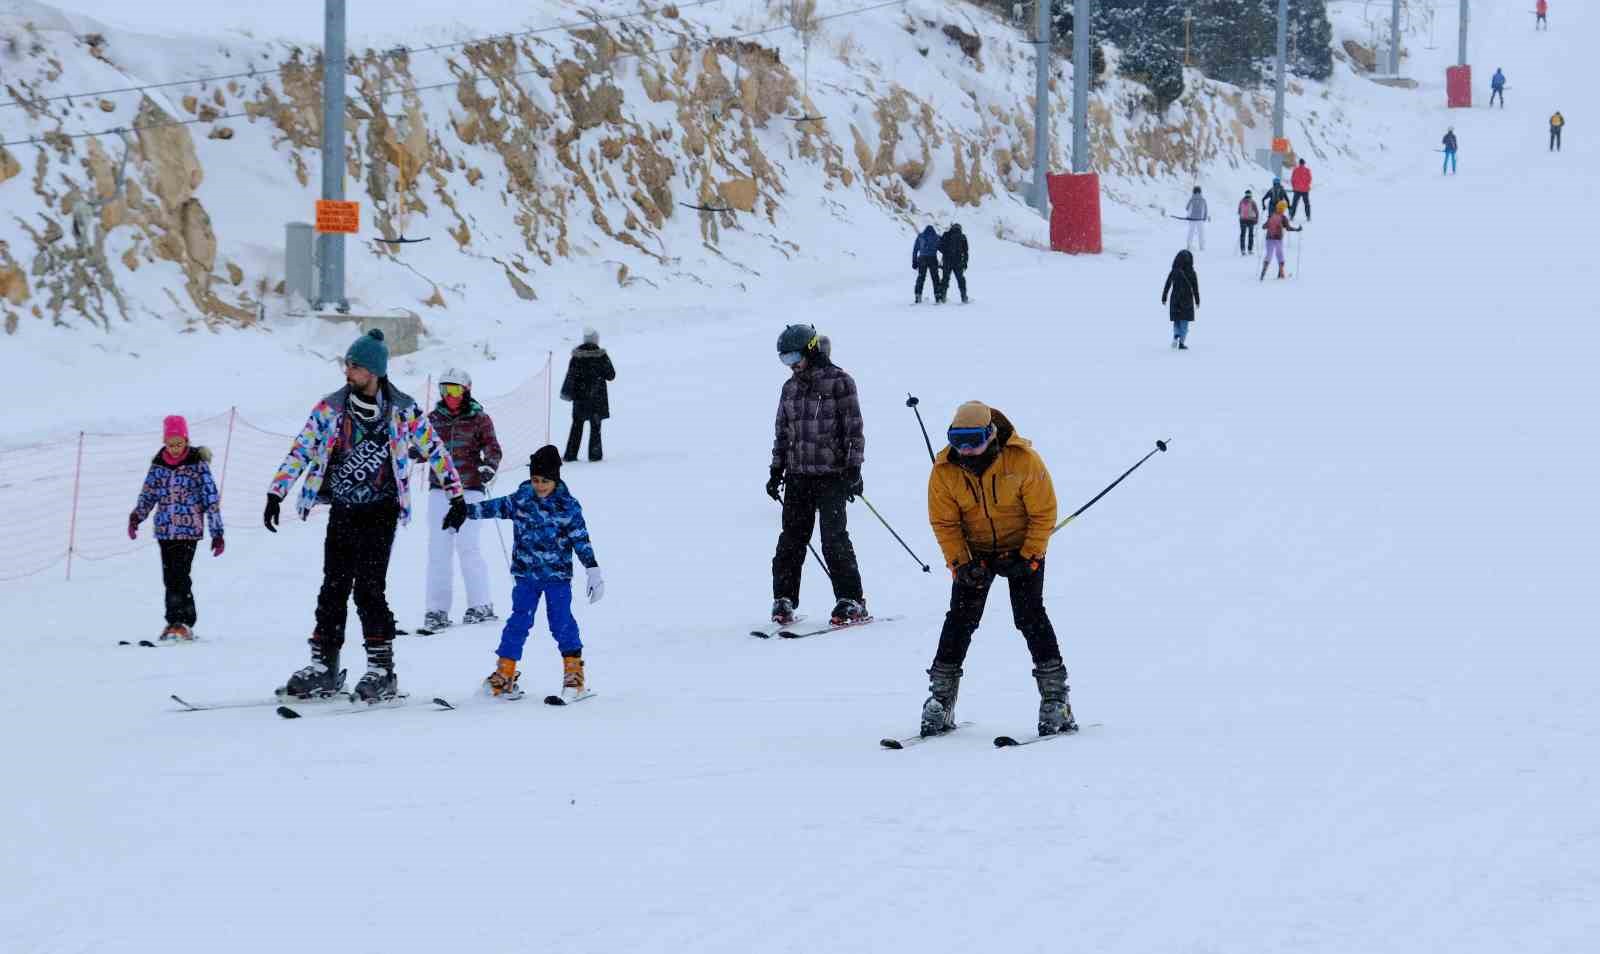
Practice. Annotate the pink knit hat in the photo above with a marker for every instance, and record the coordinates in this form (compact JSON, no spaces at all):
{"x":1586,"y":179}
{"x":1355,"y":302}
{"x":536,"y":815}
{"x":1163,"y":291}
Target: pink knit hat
{"x":174,"y":426}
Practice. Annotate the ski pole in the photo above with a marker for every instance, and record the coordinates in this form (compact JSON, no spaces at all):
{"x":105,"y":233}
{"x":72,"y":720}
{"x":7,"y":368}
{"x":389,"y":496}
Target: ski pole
{"x":1299,"y":247}
{"x":820,"y":562}
{"x":912,"y":402}
{"x":896,"y":536}
{"x":1160,"y":446}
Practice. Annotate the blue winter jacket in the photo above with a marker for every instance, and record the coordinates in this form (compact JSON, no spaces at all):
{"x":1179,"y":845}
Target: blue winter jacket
{"x":547,"y":529}
{"x":926,"y":246}
{"x":1499,"y":80}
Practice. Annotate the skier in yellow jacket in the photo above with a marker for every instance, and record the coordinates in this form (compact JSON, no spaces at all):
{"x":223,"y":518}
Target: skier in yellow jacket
{"x":993,"y":507}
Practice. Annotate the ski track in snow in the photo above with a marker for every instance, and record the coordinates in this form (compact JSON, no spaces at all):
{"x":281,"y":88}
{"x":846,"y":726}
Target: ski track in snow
{"x":1339,"y":636}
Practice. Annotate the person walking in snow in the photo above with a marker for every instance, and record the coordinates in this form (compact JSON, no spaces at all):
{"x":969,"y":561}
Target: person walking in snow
{"x":1198,"y":216}
{"x":549,"y":528}
{"x":353,"y":453}
{"x":1275,"y":193}
{"x":953,"y":255}
{"x":1275,"y":228}
{"x":1449,"y":152}
{"x":1248,"y":216}
{"x":1301,"y":180}
{"x":925,"y":259}
{"x":1183,"y":289}
{"x":585,"y":386}
{"x":1556,"y":122}
{"x":818,"y":448}
{"x":1540,"y":10}
{"x":179,"y":490}
{"x":1497,"y":87}
{"x":992,"y":507}
{"x":467,"y":431}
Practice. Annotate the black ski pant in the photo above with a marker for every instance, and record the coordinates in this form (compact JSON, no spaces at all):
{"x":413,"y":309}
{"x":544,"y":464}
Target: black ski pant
{"x":1027,"y":611}
{"x":177,"y":557}
{"x":355,"y":559}
{"x":804,"y":497}
{"x":1247,"y":236}
{"x":1555,"y":139}
{"x":926,"y":266}
{"x":575,"y":436}
{"x":944,"y":282}
{"x":1294,"y":206}
{"x":1500,"y":93}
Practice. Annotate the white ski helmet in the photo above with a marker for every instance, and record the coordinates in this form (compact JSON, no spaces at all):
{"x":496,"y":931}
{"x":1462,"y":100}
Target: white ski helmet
{"x":456,"y":376}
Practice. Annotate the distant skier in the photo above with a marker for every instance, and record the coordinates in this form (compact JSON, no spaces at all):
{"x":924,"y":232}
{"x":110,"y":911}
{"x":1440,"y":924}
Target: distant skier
{"x":1497,"y":87}
{"x":1301,"y":180}
{"x":1198,"y":216}
{"x":549,"y":528}
{"x":925,"y":259}
{"x":1275,"y":194}
{"x":953,"y":253}
{"x":1183,"y":288}
{"x":1540,"y":10}
{"x":1275,"y":227}
{"x":1449,"y":152}
{"x":1248,"y":216}
{"x":1556,"y":122}
{"x":817,"y":451}
{"x":353,"y":452}
{"x":992,"y":507}
{"x":585,"y":386}
{"x":467,"y":431}
{"x":180,"y":492}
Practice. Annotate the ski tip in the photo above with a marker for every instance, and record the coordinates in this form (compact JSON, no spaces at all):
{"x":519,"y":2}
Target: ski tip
{"x":288,"y":713}
{"x":554,"y":701}
{"x":1004,"y":742}
{"x":442,"y":703}
{"x":759,"y":634}
{"x":124,"y":642}
{"x":147,"y":643}
{"x":890,"y":743}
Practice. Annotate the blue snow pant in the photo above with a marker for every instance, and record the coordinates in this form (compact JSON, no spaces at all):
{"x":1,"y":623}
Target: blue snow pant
{"x":557,"y":612}
{"x":1449,"y":161}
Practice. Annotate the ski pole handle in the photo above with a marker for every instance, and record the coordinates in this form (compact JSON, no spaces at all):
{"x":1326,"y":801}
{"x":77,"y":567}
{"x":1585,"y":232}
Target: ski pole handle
{"x":912,"y":402}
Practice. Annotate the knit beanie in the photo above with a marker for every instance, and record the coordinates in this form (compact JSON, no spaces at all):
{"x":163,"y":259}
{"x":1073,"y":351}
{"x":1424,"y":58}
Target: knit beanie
{"x":591,"y":336}
{"x":174,"y":426}
{"x":371,"y":353}
{"x":972,"y":414}
{"x":546,"y":462}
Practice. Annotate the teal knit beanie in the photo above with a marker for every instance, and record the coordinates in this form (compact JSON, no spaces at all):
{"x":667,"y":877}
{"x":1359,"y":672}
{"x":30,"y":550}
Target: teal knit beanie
{"x":371,"y":353}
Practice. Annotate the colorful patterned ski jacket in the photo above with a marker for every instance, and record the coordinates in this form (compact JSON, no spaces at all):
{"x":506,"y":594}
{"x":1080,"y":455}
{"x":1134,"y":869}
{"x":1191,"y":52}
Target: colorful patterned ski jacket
{"x":818,"y":430}
{"x":183,"y":497}
{"x":408,"y":428}
{"x":547,"y":529}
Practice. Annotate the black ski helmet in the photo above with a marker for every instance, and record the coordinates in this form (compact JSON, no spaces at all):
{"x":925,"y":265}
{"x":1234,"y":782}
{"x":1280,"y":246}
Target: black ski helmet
{"x":801,"y":338}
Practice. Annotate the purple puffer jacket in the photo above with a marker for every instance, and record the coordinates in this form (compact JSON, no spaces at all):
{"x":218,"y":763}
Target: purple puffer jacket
{"x":819,"y":428}
{"x":184,"y":497}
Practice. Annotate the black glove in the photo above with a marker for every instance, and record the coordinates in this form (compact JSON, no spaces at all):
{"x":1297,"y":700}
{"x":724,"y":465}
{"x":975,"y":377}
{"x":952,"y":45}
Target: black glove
{"x":457,"y":515}
{"x":270,"y":517}
{"x":853,"y":486}
{"x":971,"y":573}
{"x":486,"y":473}
{"x":774,"y":482}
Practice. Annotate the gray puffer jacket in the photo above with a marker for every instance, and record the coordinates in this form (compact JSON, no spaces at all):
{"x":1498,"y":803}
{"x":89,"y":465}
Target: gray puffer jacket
{"x":819,"y":428}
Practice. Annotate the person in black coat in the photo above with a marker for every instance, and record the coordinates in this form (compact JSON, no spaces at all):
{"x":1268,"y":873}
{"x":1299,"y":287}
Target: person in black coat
{"x":953,"y":250}
{"x":585,"y":386}
{"x":1183,"y":288}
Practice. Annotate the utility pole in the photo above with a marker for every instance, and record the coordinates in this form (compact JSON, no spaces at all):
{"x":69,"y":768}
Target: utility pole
{"x":1082,"y":69}
{"x":1041,"y":108}
{"x":1466,"y":14}
{"x":330,"y":246}
{"x":1394,"y":40}
{"x":1283,"y":56}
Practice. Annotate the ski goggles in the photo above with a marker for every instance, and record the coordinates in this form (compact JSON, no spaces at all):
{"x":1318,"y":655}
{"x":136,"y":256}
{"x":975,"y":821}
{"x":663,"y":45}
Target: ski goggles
{"x":968,"y":438}
{"x":791,"y":358}
{"x":452,"y":390}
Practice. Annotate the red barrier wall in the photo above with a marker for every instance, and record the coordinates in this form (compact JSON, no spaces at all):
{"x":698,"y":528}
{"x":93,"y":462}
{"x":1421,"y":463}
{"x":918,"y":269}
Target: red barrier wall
{"x":1075,"y":212}
{"x":1458,"y":86}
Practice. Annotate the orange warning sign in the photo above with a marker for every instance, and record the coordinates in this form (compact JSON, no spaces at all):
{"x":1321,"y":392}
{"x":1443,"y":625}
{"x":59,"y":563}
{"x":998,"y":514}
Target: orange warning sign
{"x":1280,"y":145}
{"x":334,"y":215}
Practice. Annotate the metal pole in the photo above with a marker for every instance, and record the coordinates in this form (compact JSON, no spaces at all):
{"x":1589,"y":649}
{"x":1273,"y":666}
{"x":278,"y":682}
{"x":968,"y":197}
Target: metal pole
{"x":1394,"y":40}
{"x":1466,"y":14}
{"x":1082,"y":68}
{"x":1283,"y":56}
{"x":330,"y":246}
{"x":1041,"y":108}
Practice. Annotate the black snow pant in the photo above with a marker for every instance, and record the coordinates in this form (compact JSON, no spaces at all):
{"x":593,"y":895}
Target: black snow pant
{"x":177,"y":557}
{"x":1294,"y":206}
{"x":1555,"y":138}
{"x":925,"y":266}
{"x":355,"y":558}
{"x":1247,"y":236}
{"x":1027,"y":611}
{"x":943,"y":291}
{"x":1500,"y":93}
{"x":804,"y":496}
{"x":575,"y":436}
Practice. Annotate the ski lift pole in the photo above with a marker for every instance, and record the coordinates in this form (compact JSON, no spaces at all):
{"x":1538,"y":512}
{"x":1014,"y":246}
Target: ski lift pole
{"x":1160,"y":446}
{"x":875,"y":513}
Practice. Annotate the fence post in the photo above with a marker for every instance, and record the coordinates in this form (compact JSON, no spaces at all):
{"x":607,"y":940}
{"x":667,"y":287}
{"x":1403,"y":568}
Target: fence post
{"x":227,"y":449}
{"x":72,"y":528}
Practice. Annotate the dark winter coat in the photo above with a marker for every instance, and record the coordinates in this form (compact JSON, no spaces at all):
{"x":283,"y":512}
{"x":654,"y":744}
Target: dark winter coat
{"x":469,"y":437}
{"x":1269,"y":202}
{"x":953,"y":249}
{"x":1449,"y":142}
{"x":183,"y":496}
{"x":585,"y":384}
{"x":925,"y":247}
{"x":1183,"y":288}
{"x":818,"y":430}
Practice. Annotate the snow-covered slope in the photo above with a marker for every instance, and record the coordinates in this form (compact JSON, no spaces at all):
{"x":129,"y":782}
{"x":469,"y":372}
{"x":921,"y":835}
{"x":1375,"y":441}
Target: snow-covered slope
{"x":1337,"y":641}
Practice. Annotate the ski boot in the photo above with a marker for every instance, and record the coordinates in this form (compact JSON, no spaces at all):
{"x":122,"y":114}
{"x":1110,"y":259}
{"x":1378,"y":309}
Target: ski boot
{"x":378,"y":685}
{"x":939,"y":712}
{"x":1280,"y":271}
{"x":1183,"y":346}
{"x":176,"y":633}
{"x":478,"y":614}
{"x":502,"y":683}
{"x":847,"y":611}
{"x":436,"y":621}
{"x":1055,"y":713}
{"x":572,"y":684}
{"x":1265,"y":264}
{"x":783,"y":611}
{"x":319,"y":680}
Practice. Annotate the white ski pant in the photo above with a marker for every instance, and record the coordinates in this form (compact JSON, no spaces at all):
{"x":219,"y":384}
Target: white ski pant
{"x":1197,"y":233}
{"x":443,"y":545}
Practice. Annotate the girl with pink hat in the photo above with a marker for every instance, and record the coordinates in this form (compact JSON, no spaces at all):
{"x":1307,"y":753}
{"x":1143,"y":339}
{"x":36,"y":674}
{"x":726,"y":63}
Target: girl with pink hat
{"x":180,"y":492}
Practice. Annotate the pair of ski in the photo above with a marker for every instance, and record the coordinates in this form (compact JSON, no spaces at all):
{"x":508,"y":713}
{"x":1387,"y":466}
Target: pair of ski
{"x":784,"y":630}
{"x":1000,"y":741}
{"x":548,"y":700}
{"x":425,"y":631}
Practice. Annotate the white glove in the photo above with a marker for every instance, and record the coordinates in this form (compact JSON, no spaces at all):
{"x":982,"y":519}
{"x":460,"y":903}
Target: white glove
{"x":597,"y":584}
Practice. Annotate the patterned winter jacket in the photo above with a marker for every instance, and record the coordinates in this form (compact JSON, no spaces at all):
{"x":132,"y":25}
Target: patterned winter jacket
{"x":819,"y":428}
{"x":408,"y":428}
{"x":548,"y":530}
{"x":469,"y":436}
{"x":182,"y":496}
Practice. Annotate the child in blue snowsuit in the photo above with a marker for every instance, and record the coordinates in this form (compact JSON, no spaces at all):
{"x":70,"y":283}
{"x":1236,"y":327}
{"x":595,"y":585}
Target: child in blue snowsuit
{"x":549,"y":527}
